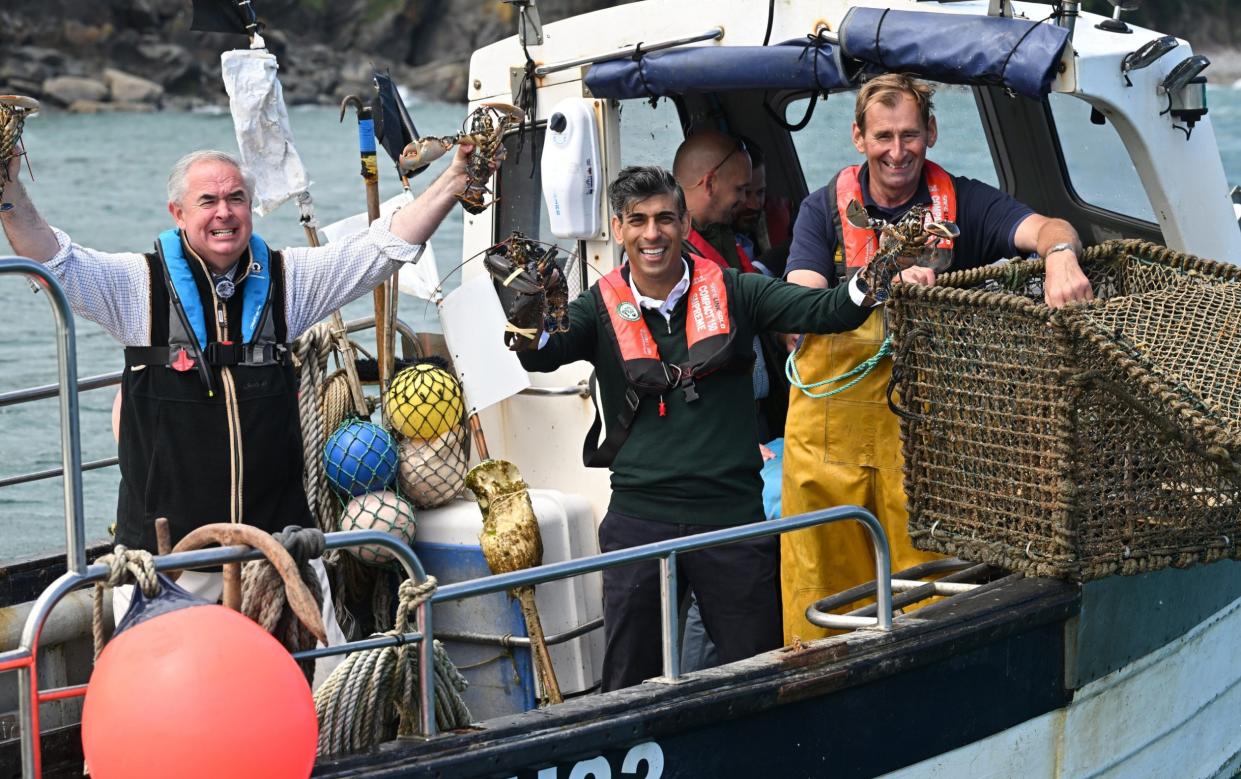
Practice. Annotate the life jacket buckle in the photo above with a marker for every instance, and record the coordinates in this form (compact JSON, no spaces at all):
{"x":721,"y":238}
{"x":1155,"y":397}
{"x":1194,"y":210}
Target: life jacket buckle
{"x":631,"y":400}
{"x":687,"y":386}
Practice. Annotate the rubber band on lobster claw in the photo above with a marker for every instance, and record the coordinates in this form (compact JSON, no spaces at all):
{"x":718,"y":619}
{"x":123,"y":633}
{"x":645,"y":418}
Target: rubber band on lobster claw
{"x":532,"y":288}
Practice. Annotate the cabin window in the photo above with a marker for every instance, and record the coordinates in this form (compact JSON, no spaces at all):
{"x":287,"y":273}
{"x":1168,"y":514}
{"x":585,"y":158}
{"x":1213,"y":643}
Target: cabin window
{"x":825,"y":145}
{"x":521,"y":207}
{"x":649,"y":135}
{"x":1100,"y":170}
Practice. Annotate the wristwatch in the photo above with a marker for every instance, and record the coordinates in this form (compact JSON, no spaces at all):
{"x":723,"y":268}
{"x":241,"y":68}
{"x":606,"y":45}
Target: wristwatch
{"x":1060,"y":247}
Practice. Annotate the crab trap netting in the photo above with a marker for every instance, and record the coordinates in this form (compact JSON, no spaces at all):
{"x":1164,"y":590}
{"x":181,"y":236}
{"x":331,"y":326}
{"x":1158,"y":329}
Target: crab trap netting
{"x":1090,"y":440}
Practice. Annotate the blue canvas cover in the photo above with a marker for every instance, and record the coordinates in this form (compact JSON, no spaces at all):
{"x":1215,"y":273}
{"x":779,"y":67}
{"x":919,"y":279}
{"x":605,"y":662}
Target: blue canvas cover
{"x":1020,"y":54}
{"x":792,"y":65}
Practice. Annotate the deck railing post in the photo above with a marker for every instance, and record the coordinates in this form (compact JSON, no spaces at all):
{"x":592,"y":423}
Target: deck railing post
{"x":670,"y":613}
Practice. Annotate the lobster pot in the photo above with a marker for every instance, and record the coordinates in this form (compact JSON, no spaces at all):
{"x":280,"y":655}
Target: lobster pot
{"x":426,"y":409}
{"x":1078,"y":443}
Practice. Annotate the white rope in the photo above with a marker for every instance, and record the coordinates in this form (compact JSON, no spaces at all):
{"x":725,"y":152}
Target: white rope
{"x":372,"y":696}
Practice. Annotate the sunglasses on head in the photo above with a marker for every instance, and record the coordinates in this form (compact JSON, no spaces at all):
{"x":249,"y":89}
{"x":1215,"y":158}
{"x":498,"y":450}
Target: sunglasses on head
{"x":738,"y":147}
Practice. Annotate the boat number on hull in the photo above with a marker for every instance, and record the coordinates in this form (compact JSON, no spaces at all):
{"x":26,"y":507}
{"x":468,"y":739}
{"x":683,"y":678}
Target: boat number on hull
{"x":642,"y":761}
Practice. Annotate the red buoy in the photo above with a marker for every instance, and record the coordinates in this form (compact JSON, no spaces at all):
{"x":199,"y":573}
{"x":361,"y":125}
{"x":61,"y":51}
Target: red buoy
{"x":198,"y":692}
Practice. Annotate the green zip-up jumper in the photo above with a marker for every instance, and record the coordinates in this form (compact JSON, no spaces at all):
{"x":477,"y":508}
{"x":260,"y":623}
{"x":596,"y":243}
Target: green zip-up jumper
{"x":700,"y":463}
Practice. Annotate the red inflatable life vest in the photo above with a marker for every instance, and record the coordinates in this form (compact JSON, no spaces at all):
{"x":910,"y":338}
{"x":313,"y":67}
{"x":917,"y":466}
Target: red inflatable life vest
{"x":708,"y":251}
{"x":709,"y":333}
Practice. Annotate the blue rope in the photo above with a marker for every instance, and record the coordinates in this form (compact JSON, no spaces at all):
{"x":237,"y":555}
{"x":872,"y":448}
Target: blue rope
{"x":861,"y":371}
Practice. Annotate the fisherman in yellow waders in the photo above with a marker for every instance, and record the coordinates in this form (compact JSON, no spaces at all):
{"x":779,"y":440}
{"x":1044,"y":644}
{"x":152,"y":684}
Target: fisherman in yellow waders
{"x":845,"y":449}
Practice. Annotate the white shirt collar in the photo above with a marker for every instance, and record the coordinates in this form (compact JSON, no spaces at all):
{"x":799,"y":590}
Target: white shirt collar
{"x":663,"y":306}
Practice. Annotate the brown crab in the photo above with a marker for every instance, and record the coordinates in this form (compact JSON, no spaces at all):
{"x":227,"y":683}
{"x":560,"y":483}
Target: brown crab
{"x":485,"y":129}
{"x":915,"y":239}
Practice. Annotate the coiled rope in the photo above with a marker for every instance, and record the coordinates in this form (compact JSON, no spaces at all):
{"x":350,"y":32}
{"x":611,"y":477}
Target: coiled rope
{"x":125,"y":566}
{"x":323,"y":403}
{"x":263,"y":597}
{"x":859,"y":372}
{"x":372,"y":696}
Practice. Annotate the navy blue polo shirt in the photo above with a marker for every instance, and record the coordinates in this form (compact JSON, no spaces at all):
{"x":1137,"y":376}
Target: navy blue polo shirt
{"x":988,"y":219}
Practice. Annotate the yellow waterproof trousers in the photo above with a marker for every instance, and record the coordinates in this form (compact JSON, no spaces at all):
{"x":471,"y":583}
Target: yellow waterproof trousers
{"x":840,"y":450}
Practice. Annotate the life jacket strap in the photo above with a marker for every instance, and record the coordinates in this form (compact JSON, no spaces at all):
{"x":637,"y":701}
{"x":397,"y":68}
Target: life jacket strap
{"x":596,"y":455}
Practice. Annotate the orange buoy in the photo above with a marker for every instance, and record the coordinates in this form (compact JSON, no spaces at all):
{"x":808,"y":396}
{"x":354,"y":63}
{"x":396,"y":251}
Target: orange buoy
{"x":198,"y":692}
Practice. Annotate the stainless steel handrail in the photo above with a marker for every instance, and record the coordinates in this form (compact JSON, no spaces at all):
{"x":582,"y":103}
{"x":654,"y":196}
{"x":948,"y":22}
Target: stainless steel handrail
{"x":51,"y":473}
{"x":70,"y":435}
{"x":664,"y":549}
{"x":42,"y":392}
{"x":715,"y":33}
{"x":522,"y":642}
{"x":45,"y":391}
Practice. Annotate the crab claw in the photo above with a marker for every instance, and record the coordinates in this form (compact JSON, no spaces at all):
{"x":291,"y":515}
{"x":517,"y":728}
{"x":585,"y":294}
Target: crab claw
{"x":423,"y":151}
{"x":511,"y":113}
{"x":855,"y":212}
{"x":27,"y":104}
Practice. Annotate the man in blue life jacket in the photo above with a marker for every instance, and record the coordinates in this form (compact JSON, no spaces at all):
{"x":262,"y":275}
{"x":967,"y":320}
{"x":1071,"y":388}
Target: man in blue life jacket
{"x":671,"y":338}
{"x":846,"y":449}
{"x":209,"y":421}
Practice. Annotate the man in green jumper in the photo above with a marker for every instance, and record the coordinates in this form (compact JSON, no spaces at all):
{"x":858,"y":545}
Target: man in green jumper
{"x":671,"y":340}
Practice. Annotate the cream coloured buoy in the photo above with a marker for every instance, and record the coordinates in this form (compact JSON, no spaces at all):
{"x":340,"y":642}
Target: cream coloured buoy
{"x":386,"y":511}
{"x":431,"y":473}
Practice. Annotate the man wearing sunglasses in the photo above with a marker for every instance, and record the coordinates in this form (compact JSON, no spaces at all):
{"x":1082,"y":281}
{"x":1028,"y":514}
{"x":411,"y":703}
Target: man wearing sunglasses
{"x":714,"y":171}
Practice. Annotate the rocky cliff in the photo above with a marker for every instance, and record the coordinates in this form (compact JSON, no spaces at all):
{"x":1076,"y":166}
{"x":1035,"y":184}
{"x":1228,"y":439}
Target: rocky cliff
{"x":97,"y":55}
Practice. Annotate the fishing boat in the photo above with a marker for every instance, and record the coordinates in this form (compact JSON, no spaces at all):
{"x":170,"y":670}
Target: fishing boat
{"x":1087,"y":118}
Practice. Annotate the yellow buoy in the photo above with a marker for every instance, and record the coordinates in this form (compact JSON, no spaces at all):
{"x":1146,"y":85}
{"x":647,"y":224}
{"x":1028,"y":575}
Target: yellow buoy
{"x":424,"y":401}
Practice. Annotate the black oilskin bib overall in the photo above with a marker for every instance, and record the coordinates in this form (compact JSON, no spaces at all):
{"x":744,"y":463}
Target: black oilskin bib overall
{"x":175,"y":439}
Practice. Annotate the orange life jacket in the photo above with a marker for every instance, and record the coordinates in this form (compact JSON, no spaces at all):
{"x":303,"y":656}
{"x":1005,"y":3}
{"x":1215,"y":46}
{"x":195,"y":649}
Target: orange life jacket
{"x":708,"y":251}
{"x":859,"y":245}
{"x":709,"y":331}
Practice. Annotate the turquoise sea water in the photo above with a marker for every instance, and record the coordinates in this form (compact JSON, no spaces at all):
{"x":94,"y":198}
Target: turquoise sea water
{"x":102,"y":179}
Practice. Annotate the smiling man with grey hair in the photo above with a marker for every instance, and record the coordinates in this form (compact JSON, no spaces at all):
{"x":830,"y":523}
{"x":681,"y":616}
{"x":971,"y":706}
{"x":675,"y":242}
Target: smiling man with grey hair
{"x":209,"y":421}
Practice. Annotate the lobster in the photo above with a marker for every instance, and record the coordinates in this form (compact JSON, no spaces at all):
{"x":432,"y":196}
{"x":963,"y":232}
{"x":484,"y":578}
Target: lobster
{"x":13,"y":112}
{"x":534,"y":293}
{"x":914,"y":239}
{"x":485,"y":129}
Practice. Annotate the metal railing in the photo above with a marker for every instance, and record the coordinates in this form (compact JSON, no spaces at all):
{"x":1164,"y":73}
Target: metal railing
{"x":78,"y":574}
{"x":23,"y":658}
{"x":667,"y":551}
{"x":103,"y":380}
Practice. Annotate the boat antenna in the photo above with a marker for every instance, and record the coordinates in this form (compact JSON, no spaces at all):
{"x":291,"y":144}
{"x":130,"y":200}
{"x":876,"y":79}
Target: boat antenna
{"x":525,"y":97}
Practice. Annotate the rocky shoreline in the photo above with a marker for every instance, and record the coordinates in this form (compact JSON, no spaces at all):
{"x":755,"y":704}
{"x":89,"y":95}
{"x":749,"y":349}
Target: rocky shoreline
{"x":140,"y":55}
{"x":91,"y":56}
